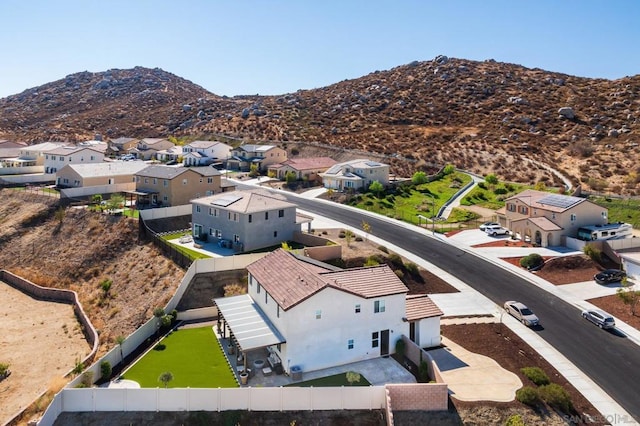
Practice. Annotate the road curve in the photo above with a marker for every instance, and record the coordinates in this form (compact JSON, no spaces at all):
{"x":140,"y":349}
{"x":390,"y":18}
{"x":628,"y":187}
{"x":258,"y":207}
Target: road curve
{"x":608,"y":358}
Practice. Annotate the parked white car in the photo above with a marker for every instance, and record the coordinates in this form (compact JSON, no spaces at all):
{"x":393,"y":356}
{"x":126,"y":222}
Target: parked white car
{"x":520,"y":312}
{"x":495,"y":230}
{"x":599,"y":318}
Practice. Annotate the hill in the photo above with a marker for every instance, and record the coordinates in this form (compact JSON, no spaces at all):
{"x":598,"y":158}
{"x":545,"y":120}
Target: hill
{"x":80,"y":249}
{"x":481,"y":116}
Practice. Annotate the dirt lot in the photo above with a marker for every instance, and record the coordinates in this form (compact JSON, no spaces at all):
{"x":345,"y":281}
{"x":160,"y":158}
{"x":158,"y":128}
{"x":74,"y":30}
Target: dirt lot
{"x":39,"y":348}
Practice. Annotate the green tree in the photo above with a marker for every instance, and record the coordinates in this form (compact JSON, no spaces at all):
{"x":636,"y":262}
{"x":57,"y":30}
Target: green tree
{"x":96,"y":199}
{"x":105,"y":285}
{"x":353,"y":377}
{"x":448,"y":169}
{"x":629,"y":295}
{"x":376,"y":187}
{"x":290,"y":178}
{"x":540,"y":186}
{"x":253,"y":170}
{"x":115,"y":202}
{"x":491,"y":179}
{"x":419,"y":178}
{"x":165,"y":378}
{"x":105,"y":369}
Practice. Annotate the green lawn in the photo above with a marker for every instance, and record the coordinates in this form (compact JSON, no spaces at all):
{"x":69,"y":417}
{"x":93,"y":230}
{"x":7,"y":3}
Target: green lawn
{"x":492,"y":196}
{"x":192,"y":355}
{"x":335,"y":380}
{"x":620,"y":210}
{"x":406,"y":203}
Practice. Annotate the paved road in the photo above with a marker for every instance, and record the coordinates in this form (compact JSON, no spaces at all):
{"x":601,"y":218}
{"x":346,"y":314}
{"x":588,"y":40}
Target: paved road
{"x":609,"y":359}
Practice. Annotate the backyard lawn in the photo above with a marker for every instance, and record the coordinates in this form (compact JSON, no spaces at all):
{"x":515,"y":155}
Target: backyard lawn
{"x":335,"y":380}
{"x":194,"y":358}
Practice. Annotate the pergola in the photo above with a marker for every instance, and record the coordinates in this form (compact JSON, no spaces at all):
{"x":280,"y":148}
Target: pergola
{"x":248,"y":326}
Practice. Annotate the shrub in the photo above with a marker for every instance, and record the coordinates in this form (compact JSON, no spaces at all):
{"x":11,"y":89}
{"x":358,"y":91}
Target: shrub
{"x":531,"y":261}
{"x":400,"y":347}
{"x":593,"y":252}
{"x":87,"y":379}
{"x":3,"y":369}
{"x":395,"y":259}
{"x":500,"y":191}
{"x":482,"y":185}
{"x":383,"y":249}
{"x":371,"y":261}
{"x":423,"y":372}
{"x":358,"y":238}
{"x":399,"y":273}
{"x":158,"y":312}
{"x":536,"y":375}
{"x":528,"y":395}
{"x":514,"y":420}
{"x":105,"y":369}
{"x":412,"y":268}
{"x":557,"y":397}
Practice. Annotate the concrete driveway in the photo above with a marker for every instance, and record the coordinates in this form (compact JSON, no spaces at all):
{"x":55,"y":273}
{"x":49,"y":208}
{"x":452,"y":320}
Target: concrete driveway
{"x":474,"y":377}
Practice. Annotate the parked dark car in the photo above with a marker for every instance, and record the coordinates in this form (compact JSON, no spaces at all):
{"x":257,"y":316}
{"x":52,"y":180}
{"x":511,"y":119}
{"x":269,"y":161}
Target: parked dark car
{"x":609,"y":276}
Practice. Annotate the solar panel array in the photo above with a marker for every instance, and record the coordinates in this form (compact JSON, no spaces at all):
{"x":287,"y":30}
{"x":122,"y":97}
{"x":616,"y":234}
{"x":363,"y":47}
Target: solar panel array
{"x":561,"y":201}
{"x":226,"y":200}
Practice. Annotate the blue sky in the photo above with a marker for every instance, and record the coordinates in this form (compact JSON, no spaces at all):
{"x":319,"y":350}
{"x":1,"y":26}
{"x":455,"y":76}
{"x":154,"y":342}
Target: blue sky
{"x":272,"y":47}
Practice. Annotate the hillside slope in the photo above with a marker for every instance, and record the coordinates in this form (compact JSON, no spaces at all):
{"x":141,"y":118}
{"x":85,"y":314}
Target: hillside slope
{"x":81,"y":250}
{"x":481,"y":116}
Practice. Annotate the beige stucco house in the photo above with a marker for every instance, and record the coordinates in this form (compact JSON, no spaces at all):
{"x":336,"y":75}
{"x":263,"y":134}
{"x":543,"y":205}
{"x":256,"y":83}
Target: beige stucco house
{"x":120,"y":146}
{"x":262,"y":156}
{"x":164,"y":186}
{"x":111,"y":173}
{"x":355,"y":175}
{"x":303,"y":168}
{"x":147,"y":148}
{"x":545,"y":218}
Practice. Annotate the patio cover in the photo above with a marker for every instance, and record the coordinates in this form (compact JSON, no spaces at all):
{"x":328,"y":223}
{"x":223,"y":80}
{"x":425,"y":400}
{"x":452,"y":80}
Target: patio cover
{"x":249,"y":325}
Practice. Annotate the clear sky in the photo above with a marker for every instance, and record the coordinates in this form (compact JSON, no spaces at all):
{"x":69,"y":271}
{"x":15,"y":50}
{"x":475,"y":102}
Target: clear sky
{"x":271,"y":47}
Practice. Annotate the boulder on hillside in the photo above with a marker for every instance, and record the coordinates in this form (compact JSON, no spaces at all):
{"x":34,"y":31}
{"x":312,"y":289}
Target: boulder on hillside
{"x":567,"y":112}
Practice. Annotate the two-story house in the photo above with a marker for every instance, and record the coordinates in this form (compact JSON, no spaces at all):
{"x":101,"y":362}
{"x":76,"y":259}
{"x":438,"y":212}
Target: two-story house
{"x":245,"y":220}
{"x":147,"y":148}
{"x":303,"y":168}
{"x":545,"y":218}
{"x":205,"y":153}
{"x":120,"y":146}
{"x":319,"y":316}
{"x":56,"y":159}
{"x":165,"y":186}
{"x":30,"y":158}
{"x":110,"y":173}
{"x":355,"y":175}
{"x":262,"y":156}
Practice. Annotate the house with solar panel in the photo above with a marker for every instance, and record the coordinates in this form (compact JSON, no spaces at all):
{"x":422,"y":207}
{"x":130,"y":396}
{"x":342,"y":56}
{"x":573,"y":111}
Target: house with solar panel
{"x":544,"y":218}
{"x":246,"y":220}
{"x":355,"y":175}
{"x":310,"y":315}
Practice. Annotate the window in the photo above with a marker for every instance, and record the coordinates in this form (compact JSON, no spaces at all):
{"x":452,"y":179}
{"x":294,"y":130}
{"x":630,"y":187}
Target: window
{"x":197,"y":209}
{"x":155,"y":181}
{"x":209,"y":192}
{"x":218,"y":233}
{"x":318,"y":314}
{"x":258,"y":288}
{"x":165,"y":183}
{"x":266,"y":215}
{"x":184,"y":181}
{"x":146,"y":180}
{"x":350,"y":344}
{"x":573,"y":218}
{"x":201,"y":180}
{"x":378,"y":306}
{"x":250,"y":218}
{"x":212,"y":232}
{"x":278,"y":311}
{"x":210,"y":180}
{"x":280,"y":213}
{"x":165,"y":198}
{"x":358,"y":308}
{"x":236,"y":238}
{"x":275,"y":234}
{"x":375,"y":339}
{"x":266,"y":297}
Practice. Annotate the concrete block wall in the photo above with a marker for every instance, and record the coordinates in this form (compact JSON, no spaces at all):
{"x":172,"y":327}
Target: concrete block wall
{"x":418,"y":396}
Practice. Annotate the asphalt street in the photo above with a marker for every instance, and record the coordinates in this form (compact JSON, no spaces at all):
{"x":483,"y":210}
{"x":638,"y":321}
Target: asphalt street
{"x":608,"y":358}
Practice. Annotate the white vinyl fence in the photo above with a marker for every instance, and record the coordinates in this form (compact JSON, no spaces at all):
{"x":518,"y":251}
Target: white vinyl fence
{"x":221,"y":399}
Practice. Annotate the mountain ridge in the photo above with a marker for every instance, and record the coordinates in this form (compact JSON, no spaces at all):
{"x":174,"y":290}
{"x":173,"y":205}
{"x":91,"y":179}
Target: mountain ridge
{"x":483,"y":116}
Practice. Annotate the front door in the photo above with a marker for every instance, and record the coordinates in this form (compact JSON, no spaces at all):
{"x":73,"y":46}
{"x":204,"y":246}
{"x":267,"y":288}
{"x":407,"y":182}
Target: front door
{"x":412,"y":332}
{"x":384,"y":343}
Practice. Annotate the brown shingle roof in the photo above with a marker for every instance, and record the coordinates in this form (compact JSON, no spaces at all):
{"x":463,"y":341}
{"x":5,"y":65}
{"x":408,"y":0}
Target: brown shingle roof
{"x":420,"y":306}
{"x":309,"y":163}
{"x":290,"y":280}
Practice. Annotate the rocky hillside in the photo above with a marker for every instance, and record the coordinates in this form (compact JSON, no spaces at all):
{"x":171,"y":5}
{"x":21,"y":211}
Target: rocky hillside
{"x":482,"y":116}
{"x":80,"y":249}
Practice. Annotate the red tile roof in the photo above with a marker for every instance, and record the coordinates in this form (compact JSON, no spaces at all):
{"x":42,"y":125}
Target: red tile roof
{"x":290,"y":280}
{"x":420,"y":306}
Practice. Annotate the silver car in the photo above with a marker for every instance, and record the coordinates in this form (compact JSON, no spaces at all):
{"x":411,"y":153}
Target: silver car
{"x":599,"y":318}
{"x":520,"y":312}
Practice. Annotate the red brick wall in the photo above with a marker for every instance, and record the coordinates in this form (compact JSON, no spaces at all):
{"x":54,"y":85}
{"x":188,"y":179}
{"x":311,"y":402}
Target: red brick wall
{"x":418,"y":396}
